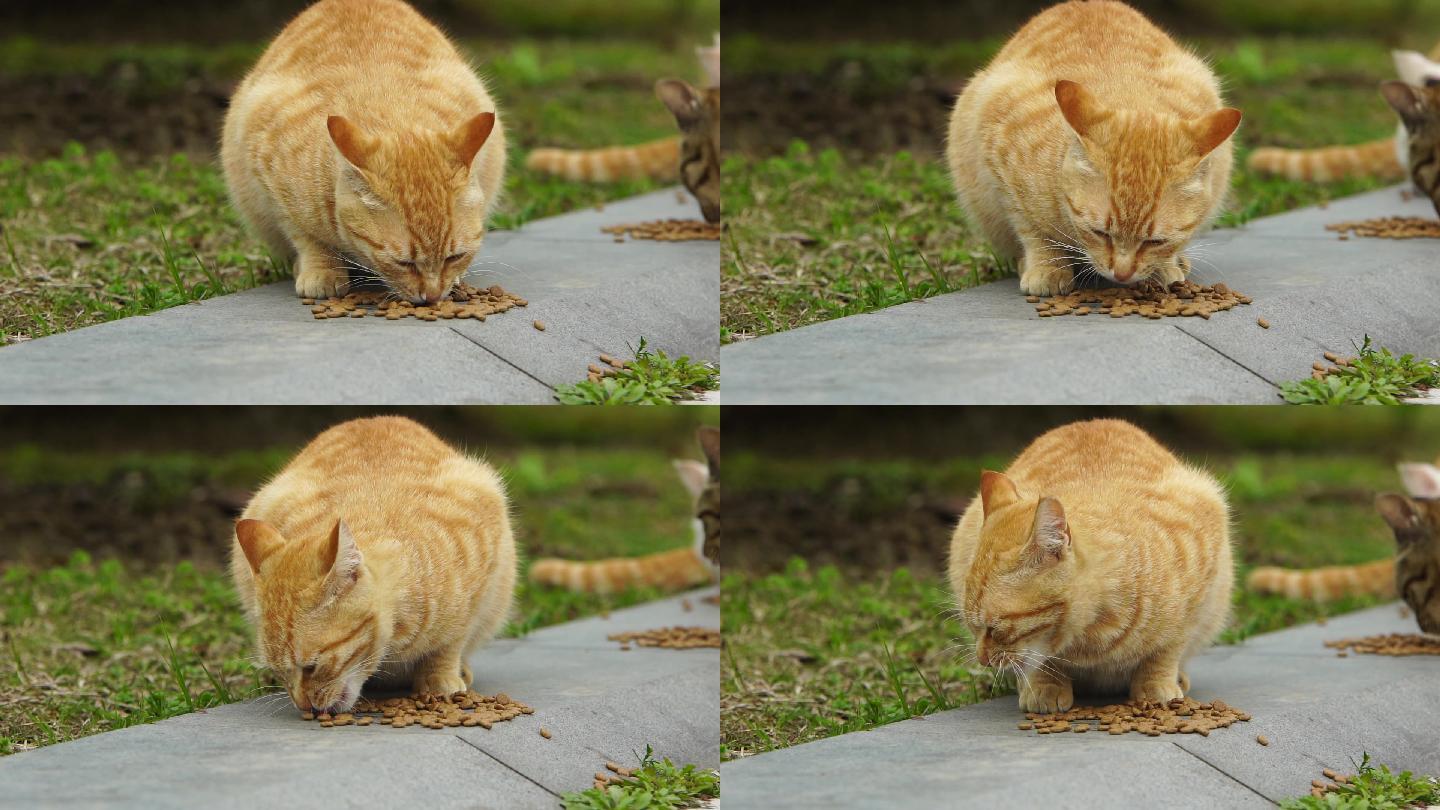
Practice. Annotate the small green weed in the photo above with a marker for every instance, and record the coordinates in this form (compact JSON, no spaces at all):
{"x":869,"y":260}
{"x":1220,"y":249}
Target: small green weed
{"x":1374,"y":787}
{"x":1374,"y":377}
{"x":653,"y":378}
{"x":655,"y":785}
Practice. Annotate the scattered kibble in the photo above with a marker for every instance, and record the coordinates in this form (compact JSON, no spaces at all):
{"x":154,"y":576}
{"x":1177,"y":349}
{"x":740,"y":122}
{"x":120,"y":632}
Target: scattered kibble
{"x":464,"y":301}
{"x":1179,"y":716}
{"x":1390,"y":644}
{"x":1262,"y":739}
{"x":1264,"y":324}
{"x":1320,"y":370}
{"x":1149,"y":299}
{"x":545,"y":732}
{"x":667,"y":230}
{"x":675,"y":638}
{"x":462,"y":709}
{"x":540,"y":326}
{"x":1390,"y":228}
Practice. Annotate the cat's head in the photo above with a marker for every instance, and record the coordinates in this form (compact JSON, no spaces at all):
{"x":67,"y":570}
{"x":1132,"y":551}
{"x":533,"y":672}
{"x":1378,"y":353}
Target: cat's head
{"x":697,"y":112}
{"x":1415,"y":516}
{"x":1419,"y":110}
{"x":702,"y":479}
{"x":1136,"y":185}
{"x":1018,"y":587}
{"x":318,"y":628}
{"x":409,"y":206}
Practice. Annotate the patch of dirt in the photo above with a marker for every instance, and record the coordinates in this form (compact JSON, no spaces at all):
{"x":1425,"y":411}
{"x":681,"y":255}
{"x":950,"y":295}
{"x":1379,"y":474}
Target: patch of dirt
{"x":44,"y":525}
{"x":115,"y":110}
{"x":764,"y":529}
{"x":764,"y":113}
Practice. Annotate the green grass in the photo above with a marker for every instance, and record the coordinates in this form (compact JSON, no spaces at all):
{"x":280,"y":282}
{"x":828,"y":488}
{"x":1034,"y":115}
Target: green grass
{"x":91,"y":646}
{"x":89,"y":237}
{"x":815,"y":651}
{"x":1373,"y":377}
{"x":1374,"y":787}
{"x":652,"y":378}
{"x":654,"y":785}
{"x":817,"y":234}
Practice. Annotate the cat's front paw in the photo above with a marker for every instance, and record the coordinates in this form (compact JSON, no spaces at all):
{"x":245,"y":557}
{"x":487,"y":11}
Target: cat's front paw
{"x":1158,"y":690}
{"x":440,"y":683}
{"x":1038,"y":278}
{"x":317,"y":283}
{"x":1046,"y":697}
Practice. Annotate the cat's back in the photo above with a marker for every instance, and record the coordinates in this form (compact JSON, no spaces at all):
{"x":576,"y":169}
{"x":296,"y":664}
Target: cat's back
{"x":1111,"y":461}
{"x":342,"y":35}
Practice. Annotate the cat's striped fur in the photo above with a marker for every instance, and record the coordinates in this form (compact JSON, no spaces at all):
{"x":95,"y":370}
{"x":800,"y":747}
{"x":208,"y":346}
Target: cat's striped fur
{"x":362,"y":141}
{"x":380,"y":550}
{"x":1387,"y":158}
{"x":1414,"y":571}
{"x":1097,"y":560}
{"x":1092,"y":142}
{"x":670,"y":570}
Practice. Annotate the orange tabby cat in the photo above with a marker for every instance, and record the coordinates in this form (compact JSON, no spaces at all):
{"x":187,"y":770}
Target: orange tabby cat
{"x":377,"y":550}
{"x":1092,"y":140}
{"x":1097,"y":559}
{"x":362,"y":141}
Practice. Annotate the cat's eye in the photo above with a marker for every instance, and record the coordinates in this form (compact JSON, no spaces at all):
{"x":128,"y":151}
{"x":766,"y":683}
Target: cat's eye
{"x":406,"y":265}
{"x":1100,"y":233}
{"x":454,"y":258}
{"x":1155,"y":242}
{"x":308,"y":669}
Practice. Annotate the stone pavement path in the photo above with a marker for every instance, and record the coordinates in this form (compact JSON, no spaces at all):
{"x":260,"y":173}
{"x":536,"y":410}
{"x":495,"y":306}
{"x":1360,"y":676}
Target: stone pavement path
{"x":262,"y":347}
{"x":987,"y":345}
{"x":600,"y":703}
{"x":1318,"y":711}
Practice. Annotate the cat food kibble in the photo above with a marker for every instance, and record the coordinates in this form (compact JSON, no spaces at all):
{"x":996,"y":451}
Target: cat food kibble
{"x":462,"y":709}
{"x":675,"y":638}
{"x":1262,"y":739}
{"x":539,"y":326}
{"x":667,"y":230}
{"x":464,"y":302}
{"x":1391,"y":644}
{"x":545,"y":732}
{"x":1148,"y":300}
{"x":1179,"y":716}
{"x":1390,"y":228}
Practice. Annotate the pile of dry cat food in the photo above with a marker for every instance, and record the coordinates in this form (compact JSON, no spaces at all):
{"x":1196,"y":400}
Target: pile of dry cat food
{"x":1390,"y":228}
{"x":465,"y":301}
{"x":1179,"y":716}
{"x":1391,"y":644}
{"x":617,"y":775}
{"x":1148,"y":299}
{"x":667,"y":230}
{"x":1319,"y":788}
{"x":1320,"y":370}
{"x":462,"y":709}
{"x":675,"y":638}
{"x":612,"y":365}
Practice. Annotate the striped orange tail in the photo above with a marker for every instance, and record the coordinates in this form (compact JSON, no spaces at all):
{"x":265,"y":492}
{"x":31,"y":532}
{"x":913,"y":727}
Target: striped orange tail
{"x":1326,"y":584}
{"x":659,"y":160}
{"x":671,"y":570}
{"x":1374,"y":159}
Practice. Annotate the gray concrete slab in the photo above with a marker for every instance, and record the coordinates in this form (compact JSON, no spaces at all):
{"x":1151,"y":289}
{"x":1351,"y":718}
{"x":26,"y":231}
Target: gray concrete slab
{"x":263,"y":347}
{"x":1318,"y":711}
{"x":599,"y":702}
{"x":987,"y":346}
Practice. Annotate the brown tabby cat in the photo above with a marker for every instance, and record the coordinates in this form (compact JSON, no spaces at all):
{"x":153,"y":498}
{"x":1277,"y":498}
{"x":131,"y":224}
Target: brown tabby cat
{"x":378,"y":550}
{"x":1097,"y":559}
{"x":671,"y":570}
{"x":694,"y":156}
{"x":1092,"y":140}
{"x":1414,"y":571}
{"x":362,"y":140}
{"x":1419,"y":111}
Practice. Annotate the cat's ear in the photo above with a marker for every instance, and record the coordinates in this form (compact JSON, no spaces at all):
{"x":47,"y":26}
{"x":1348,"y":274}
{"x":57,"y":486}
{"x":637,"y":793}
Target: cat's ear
{"x":1214,"y":129}
{"x":1403,"y":517}
{"x":470,"y":136}
{"x":257,"y":539}
{"x":1421,"y":480}
{"x":710,"y":445}
{"x":1404,"y":100}
{"x":1081,"y":109}
{"x":1412,"y":67}
{"x":343,"y":561}
{"x":355,"y":146}
{"x":693,"y":474}
{"x":1050,"y":538}
{"x":996,"y":491}
{"x":681,"y":99}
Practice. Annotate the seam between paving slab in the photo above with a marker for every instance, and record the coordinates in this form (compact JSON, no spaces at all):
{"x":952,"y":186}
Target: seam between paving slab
{"x":1202,"y":342}
{"x":502,"y":359}
{"x":1222,"y":772}
{"x":507,"y":766}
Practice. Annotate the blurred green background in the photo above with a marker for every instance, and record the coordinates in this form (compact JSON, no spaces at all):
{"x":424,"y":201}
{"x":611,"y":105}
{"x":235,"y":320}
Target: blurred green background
{"x":836,"y":606}
{"x":111,"y":202}
{"x":115,"y":525}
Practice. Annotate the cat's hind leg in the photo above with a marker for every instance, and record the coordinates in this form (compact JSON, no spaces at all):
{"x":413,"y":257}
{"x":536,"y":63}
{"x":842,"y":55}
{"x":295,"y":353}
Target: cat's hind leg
{"x":1158,"y":678}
